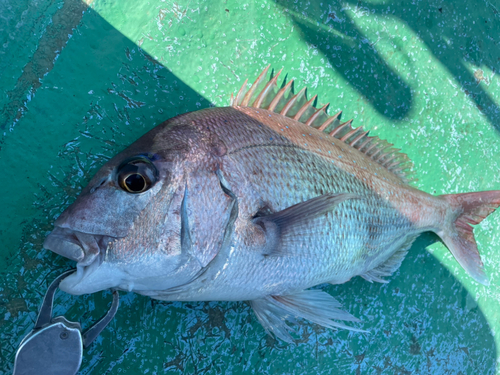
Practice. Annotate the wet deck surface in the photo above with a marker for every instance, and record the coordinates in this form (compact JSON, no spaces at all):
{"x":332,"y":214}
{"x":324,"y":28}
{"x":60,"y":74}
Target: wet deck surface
{"x":81,"y":82}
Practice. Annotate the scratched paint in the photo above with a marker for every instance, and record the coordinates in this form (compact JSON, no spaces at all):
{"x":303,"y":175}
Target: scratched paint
{"x":79,"y":84}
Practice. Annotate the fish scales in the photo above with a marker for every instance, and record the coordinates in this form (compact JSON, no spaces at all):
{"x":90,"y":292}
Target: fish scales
{"x":258,"y":201}
{"x":274,"y":129}
{"x":282,"y":175}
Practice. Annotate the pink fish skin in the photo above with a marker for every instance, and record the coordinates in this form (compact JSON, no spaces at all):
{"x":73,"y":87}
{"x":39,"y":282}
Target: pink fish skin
{"x":258,"y":201}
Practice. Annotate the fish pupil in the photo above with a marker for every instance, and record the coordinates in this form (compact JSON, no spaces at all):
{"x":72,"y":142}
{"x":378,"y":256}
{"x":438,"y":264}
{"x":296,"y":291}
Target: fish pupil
{"x":135,"y":182}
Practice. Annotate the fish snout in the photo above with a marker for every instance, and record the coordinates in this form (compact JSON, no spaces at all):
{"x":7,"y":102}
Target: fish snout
{"x":80,"y":247}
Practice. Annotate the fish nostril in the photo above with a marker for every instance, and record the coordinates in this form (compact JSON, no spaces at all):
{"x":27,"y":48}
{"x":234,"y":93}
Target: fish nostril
{"x":98,"y":185}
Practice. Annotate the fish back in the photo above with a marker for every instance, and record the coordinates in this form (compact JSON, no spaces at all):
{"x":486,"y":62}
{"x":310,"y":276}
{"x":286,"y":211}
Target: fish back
{"x":265,"y":94}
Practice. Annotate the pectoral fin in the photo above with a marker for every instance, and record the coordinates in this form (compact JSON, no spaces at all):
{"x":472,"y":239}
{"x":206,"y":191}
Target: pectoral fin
{"x":279,"y":223}
{"x":315,"y":305}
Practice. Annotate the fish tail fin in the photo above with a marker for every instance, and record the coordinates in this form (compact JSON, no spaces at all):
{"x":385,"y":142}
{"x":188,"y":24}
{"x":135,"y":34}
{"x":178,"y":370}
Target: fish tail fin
{"x":458,"y":236}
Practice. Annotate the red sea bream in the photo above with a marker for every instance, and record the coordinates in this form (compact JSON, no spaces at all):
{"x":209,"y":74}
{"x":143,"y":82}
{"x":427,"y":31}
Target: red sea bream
{"x":259,"y":201}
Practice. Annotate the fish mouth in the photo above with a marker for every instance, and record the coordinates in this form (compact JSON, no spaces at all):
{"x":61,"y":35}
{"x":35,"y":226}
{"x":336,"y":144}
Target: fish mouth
{"x":93,"y":273}
{"x":88,"y":250}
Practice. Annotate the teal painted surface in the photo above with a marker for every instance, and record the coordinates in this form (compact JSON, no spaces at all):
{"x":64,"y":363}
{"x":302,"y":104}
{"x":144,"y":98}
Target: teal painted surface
{"x":80,"y":83}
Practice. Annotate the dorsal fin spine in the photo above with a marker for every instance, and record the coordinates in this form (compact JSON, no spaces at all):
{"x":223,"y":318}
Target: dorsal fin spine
{"x":282,"y":101}
{"x":387,"y":162}
{"x":248,"y":96}
{"x":240,"y":94}
{"x":374,"y":144}
{"x":379,"y":151}
{"x":387,"y":165}
{"x":304,"y":108}
{"x":337,"y":116}
{"x":258,"y":102}
{"x":339,"y":128}
{"x":356,"y":140}
{"x":382,"y":156}
{"x":291,"y":102}
{"x":394,"y":155}
{"x":315,"y":115}
{"x":366,"y":142}
{"x":393,"y":164}
{"x":279,"y":96}
{"x":349,"y":134}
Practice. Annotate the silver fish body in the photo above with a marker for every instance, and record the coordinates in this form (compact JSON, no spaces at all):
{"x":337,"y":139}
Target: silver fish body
{"x":258,"y":201}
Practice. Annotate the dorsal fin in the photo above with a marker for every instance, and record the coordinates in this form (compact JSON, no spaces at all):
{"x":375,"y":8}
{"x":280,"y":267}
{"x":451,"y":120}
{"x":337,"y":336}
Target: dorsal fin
{"x":267,"y":95}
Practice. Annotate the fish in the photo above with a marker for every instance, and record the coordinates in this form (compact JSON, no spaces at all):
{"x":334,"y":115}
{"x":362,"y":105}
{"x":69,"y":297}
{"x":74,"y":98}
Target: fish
{"x":259,"y":201}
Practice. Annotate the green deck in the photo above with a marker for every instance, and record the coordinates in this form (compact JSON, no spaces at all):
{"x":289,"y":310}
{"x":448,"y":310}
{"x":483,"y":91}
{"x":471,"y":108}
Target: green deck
{"x":80,"y":83}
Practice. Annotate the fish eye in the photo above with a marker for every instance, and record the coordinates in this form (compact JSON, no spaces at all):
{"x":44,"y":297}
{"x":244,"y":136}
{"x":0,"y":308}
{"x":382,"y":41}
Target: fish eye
{"x":137,"y":175}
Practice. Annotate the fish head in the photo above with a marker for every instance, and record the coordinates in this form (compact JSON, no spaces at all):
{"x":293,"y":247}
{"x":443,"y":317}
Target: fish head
{"x":123,"y":229}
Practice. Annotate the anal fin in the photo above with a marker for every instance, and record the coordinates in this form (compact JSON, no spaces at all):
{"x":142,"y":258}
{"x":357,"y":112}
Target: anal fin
{"x":391,"y":265}
{"x":314,"y":305}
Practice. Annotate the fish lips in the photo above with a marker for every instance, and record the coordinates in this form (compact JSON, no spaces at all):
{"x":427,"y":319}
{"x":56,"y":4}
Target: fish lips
{"x":61,"y":242}
{"x":81,"y":247}
{"x":89,"y":251}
